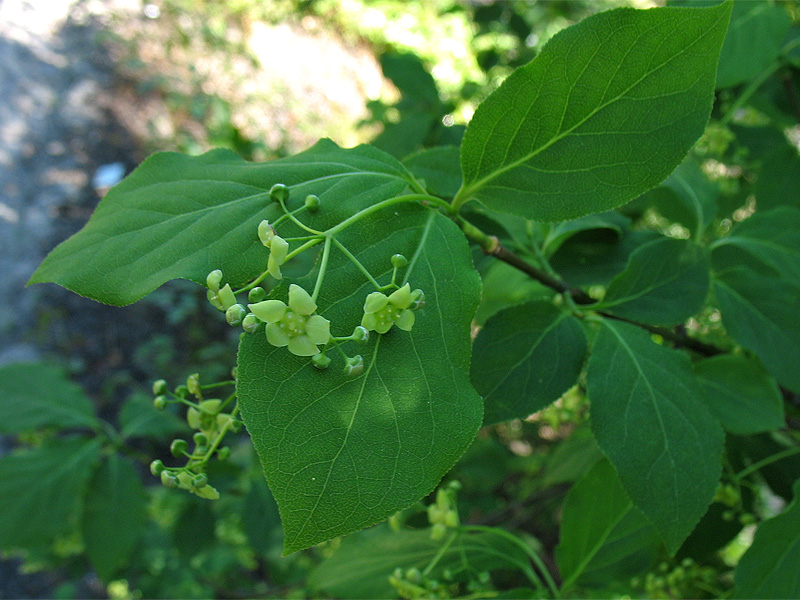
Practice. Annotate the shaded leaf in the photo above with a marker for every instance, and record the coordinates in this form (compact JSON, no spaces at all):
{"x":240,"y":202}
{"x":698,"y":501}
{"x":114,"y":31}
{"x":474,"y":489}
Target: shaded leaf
{"x":438,"y":167}
{"x":648,"y":419}
{"x":114,"y":516}
{"x":604,"y":113}
{"x":138,"y":418}
{"x":503,"y":287}
{"x":180,"y":216}
{"x":665,"y":282}
{"x":687,"y":197}
{"x":41,"y":490}
{"x":561,"y":232}
{"x":769,"y":567}
{"x":603,"y":536}
{"x":761,"y":314}
{"x":341,"y":453}
{"x":740,"y":394}
{"x":260,"y":518}
{"x":524,"y":358}
{"x":38,"y":395}
{"x":778,"y":182}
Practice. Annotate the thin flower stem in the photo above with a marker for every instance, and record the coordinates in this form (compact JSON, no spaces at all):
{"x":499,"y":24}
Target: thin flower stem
{"x":357,"y":263}
{"x":297,"y":221}
{"x":440,"y":553}
{"x":323,"y":266}
{"x":423,"y":199}
{"x":766,"y":461}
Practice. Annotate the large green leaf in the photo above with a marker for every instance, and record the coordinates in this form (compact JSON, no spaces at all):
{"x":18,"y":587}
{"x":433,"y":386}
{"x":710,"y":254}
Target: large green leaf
{"x":761,"y":314}
{"x":524,"y":358}
{"x":37,"y":395}
{"x":604,"y":113}
{"x":114,"y":516}
{"x":769,"y":568}
{"x":41,"y":490}
{"x":361,"y":567}
{"x":341,"y":453}
{"x":179,"y":216}
{"x":741,"y":394}
{"x":754,"y":40}
{"x":649,"y":420}
{"x":603,"y":536}
{"x":665,"y":282}
{"x":771,"y":238}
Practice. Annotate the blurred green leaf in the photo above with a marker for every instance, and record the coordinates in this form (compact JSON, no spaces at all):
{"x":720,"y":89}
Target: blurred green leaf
{"x":561,"y":232}
{"x":42,"y":490}
{"x":139,"y":418}
{"x":439,"y":167}
{"x":37,"y":395}
{"x":114,"y":516}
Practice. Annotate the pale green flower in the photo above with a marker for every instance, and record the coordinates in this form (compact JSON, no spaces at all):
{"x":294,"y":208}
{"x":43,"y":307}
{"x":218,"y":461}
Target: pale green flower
{"x":382,"y":311}
{"x":278,"y":249}
{"x":295,"y":325}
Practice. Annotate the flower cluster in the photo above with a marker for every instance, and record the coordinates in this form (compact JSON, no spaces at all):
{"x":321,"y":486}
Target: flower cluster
{"x":278,"y":248}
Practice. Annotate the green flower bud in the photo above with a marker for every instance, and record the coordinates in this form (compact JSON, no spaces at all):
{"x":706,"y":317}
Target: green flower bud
{"x":224,"y":453}
{"x":257,"y":294}
{"x":178,"y":447}
{"x":361,"y":334}
{"x":417,"y":299}
{"x":213,"y":280}
{"x":399,"y":261}
{"x":265,"y":233}
{"x":279,"y":192}
{"x":250,"y":323}
{"x":200,"y":481}
{"x":200,"y":438}
{"x":169,"y":479}
{"x":182,"y":391}
{"x":226,"y":297}
{"x":236,"y":426}
{"x":159,"y":387}
{"x":354,"y":366}
{"x":320,"y":361}
{"x":193,"y":385}
{"x":160,"y":402}
{"x":413,"y":575}
{"x":235,"y":314}
{"x":312,"y":203}
{"x":451,"y":518}
{"x":156,"y":467}
{"x":438,"y":531}
{"x":484,"y":577}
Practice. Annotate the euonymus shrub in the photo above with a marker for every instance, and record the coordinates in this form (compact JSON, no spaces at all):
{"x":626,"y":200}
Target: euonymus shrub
{"x":359,"y":381}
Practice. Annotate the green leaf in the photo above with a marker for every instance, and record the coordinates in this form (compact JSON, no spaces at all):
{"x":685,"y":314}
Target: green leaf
{"x":38,"y":395}
{"x":761,"y":314}
{"x":361,"y":566}
{"x":613,"y":222}
{"x":260,"y":518}
{"x":571,"y":458}
{"x":138,"y":418}
{"x":603,"y":536}
{"x":769,"y":567}
{"x":505,"y":286}
{"x":754,"y":40}
{"x":41,"y":490}
{"x":341,"y":453}
{"x":439,"y":168}
{"x":604,"y":113}
{"x":524,"y":358}
{"x":687,"y":197}
{"x":114,"y":516}
{"x":778,"y":183}
{"x":180,"y":216}
{"x":741,"y":394}
{"x":649,"y":420}
{"x":768,"y":241}
{"x":666,"y":282}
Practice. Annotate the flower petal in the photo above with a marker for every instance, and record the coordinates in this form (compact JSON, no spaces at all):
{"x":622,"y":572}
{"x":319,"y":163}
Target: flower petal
{"x":302,"y":346}
{"x":269,"y":311}
{"x":401,"y":298}
{"x":384,"y":326}
{"x":318,"y":329}
{"x":406,"y":320}
{"x":374,"y":302}
{"x":274,"y":267}
{"x":277,"y":336}
{"x":300,"y":301}
{"x":369,"y":321}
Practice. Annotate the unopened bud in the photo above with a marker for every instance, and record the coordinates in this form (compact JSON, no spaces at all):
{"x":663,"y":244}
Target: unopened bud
{"x":159,"y":387}
{"x":399,"y":261}
{"x":320,"y":361}
{"x":312,"y":203}
{"x":257,"y":294}
{"x":178,"y":447}
{"x":265,"y":233}
{"x":168,"y":479}
{"x":213,"y":280}
{"x":200,"y":438}
{"x":354,"y":366}
{"x":214,"y":300}
{"x":250,"y":323}
{"x":160,"y":402}
{"x":156,"y":467}
{"x":279,"y":192}
{"x":361,"y":334}
{"x":193,"y":385}
{"x":224,"y":453}
{"x":235,"y":314}
{"x":200,"y":481}
{"x":417,"y":299}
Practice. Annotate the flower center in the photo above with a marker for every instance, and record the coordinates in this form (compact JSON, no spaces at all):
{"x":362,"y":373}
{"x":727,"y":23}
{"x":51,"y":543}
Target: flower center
{"x":293,"y":324}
